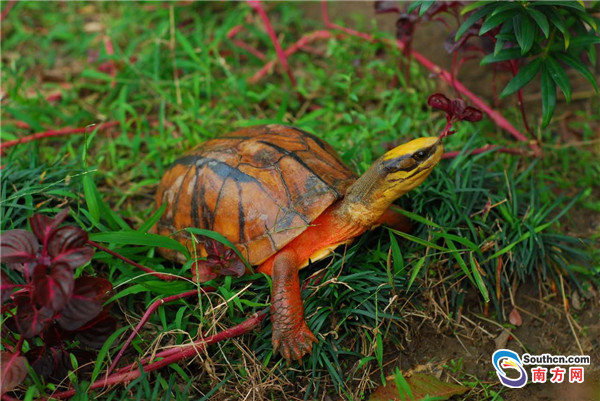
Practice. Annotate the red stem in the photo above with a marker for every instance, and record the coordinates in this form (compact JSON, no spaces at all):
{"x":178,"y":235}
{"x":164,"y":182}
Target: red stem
{"x":257,"y":6}
{"x":450,"y":155}
{"x":110,"y":50}
{"x":256,"y":53}
{"x":7,"y":9}
{"x":180,"y":353}
{"x":304,"y":40}
{"x":147,"y":315}
{"x":233,"y":32}
{"x":59,"y":132}
{"x":495,"y":116}
{"x":161,"y":276}
{"x":513,"y":66}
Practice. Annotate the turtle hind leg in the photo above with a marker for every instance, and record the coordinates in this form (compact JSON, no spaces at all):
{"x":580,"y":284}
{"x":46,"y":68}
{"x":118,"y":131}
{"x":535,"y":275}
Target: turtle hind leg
{"x":291,"y":335}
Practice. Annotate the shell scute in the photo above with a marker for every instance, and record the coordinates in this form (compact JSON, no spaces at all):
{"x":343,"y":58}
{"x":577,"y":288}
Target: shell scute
{"x":260,"y":187}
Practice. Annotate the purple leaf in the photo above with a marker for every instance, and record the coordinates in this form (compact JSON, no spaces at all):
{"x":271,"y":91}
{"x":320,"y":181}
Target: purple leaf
{"x":42,"y":225}
{"x":54,"y":335}
{"x":18,"y":246}
{"x":457,"y":107}
{"x":29,"y":319}
{"x":405,"y":26}
{"x":54,"y":364}
{"x":6,"y":286}
{"x":439,"y":101}
{"x":67,"y":245}
{"x":13,"y":370}
{"x":85,"y":302}
{"x":95,"y":332}
{"x":472,"y":114}
{"x":235,"y":268}
{"x":53,"y":286}
{"x":203,"y":271}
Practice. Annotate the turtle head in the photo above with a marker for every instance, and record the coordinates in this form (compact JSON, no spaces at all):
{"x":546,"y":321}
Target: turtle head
{"x":397,"y":172}
{"x":406,"y":166}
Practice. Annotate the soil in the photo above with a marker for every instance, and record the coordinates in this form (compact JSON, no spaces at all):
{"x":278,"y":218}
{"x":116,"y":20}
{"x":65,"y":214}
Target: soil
{"x":461,"y":352}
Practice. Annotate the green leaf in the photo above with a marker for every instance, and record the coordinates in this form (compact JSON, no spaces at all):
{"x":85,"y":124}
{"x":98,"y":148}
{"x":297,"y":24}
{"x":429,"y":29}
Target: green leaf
{"x":524,"y":75}
{"x":464,"y":241}
{"x":91,"y":198}
{"x":472,"y":6}
{"x":416,"y":217}
{"x":524,"y":32}
{"x":473,"y":18}
{"x":583,"y":15}
{"x":568,"y":4}
{"x":558,"y":21}
{"x":548,"y":97}
{"x":397,"y":256}
{"x":416,"y":271}
{"x":559,"y":76}
{"x":478,"y":279}
{"x":424,"y":7}
{"x":459,"y":259}
{"x":540,"y":19}
{"x":493,"y":21}
{"x":148,"y":224}
{"x":139,"y":238}
{"x":506,"y":6}
{"x":187,"y":46}
{"x":503,"y":55}
{"x":585,"y":40}
{"x":505,"y":34}
{"x":418,"y":240}
{"x":575,"y":63}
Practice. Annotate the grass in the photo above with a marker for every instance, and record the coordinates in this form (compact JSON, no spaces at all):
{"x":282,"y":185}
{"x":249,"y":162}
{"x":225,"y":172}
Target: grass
{"x":179,"y":81}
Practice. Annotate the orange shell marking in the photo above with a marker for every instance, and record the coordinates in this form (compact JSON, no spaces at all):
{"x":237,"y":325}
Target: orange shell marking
{"x":260,"y":187}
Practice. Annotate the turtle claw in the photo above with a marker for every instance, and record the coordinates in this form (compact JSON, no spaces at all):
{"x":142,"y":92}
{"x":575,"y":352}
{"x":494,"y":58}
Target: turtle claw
{"x":293,"y":344}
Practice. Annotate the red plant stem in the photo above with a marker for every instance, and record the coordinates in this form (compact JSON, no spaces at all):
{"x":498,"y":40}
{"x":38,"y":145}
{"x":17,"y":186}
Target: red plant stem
{"x":450,"y":155}
{"x":495,"y":116}
{"x":7,"y":9}
{"x":515,"y":70}
{"x":9,"y":398}
{"x":110,"y":50}
{"x":181,"y":353}
{"x":161,"y":276}
{"x":234,"y":31}
{"x":59,"y":132}
{"x":303,"y":41}
{"x":257,"y":6}
{"x":147,"y":315}
{"x":256,"y":53}
{"x":17,"y":123}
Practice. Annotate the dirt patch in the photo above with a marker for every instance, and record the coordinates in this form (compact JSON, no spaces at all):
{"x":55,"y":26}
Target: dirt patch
{"x":461,"y":352}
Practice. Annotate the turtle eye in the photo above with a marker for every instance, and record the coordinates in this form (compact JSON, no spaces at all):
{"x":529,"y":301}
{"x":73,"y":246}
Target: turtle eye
{"x":420,"y":155}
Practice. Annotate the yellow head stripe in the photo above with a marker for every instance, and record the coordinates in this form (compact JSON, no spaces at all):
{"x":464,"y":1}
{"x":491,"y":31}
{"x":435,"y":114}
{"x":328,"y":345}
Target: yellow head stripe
{"x":411,"y":147}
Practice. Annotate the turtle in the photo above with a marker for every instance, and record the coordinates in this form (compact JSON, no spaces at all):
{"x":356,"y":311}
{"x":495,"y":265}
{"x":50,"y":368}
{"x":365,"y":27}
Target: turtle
{"x":285,"y":199}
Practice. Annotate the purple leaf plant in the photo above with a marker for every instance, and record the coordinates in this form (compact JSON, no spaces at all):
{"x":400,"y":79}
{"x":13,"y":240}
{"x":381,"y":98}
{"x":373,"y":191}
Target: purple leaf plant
{"x":50,"y":302}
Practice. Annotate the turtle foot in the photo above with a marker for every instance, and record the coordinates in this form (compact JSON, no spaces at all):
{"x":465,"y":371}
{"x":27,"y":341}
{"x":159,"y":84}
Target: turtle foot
{"x":294,"y":343}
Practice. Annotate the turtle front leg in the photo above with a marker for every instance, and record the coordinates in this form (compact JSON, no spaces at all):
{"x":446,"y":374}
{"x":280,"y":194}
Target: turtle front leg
{"x":395,"y":220}
{"x":290,"y":333}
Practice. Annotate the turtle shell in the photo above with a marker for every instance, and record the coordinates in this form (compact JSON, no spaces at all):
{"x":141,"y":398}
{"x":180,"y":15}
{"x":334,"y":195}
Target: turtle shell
{"x":260,"y":187}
